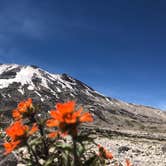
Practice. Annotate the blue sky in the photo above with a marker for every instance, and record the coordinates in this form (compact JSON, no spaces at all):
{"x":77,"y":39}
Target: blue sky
{"x":118,"y":47}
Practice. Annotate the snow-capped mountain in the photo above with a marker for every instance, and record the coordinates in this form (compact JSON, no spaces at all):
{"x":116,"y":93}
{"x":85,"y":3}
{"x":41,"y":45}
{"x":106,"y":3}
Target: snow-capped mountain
{"x":18,"y":82}
{"x":29,"y":81}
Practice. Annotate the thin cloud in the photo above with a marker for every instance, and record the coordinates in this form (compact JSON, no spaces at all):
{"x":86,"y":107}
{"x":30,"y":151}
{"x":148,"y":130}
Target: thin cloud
{"x":18,"y":19}
{"x":29,"y":20}
{"x":19,"y":22}
{"x":162,"y":105}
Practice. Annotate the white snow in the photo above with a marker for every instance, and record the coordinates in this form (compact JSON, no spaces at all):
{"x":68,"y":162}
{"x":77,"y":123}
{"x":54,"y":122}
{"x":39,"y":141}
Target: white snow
{"x":42,"y":99}
{"x":21,"y":91}
{"x":62,"y":82}
{"x":30,"y":87}
{"x":72,"y":94}
{"x":58,"y":89}
{"x":88,"y":93}
{"x":38,"y":93}
{"x":107,"y":99}
{"x":24,"y":76}
{"x":26,"y":73}
{"x":5,"y":67}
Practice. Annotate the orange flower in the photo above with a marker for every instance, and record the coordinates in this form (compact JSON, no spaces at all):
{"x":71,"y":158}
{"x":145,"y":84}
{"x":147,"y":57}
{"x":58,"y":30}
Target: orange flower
{"x":10,"y":146}
{"x":22,"y":106}
{"x":16,"y":114}
{"x":18,"y":132}
{"x":104,"y":153}
{"x":86,"y":117}
{"x":56,"y":134}
{"x":33,"y":129}
{"x":67,"y":118}
{"x":53,"y":134}
{"x":52,"y":123}
{"x":128,"y":163}
{"x":21,"y":109}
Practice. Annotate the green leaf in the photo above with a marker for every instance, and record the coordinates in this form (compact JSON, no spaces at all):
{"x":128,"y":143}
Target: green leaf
{"x":35,"y":141}
{"x":80,"y":149}
{"x":49,"y":161}
{"x":64,"y":146}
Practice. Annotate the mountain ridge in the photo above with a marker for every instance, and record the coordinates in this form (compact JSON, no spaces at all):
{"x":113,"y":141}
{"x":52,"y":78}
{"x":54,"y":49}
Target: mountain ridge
{"x":68,"y":75}
{"x":18,"y":82}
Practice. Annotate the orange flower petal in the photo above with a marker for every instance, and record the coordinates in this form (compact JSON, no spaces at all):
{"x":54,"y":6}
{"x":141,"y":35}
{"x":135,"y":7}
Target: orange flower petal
{"x":24,"y":105}
{"x":104,"y":153}
{"x":10,"y":146}
{"x":21,"y":105}
{"x":78,"y":113}
{"x":67,"y":107}
{"x":63,"y":134}
{"x":53,"y":134}
{"x":33,"y":129}
{"x":86,"y":117}
{"x":28,"y":102}
{"x":70,"y":120}
{"x":52,"y":123}
{"x":16,"y":114}
{"x":128,"y":163}
{"x":57,"y":115}
{"x":109,"y":155}
{"x":17,"y":129}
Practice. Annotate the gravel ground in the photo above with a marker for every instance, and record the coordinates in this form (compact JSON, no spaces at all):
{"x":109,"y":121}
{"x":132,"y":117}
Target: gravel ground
{"x":141,"y":152}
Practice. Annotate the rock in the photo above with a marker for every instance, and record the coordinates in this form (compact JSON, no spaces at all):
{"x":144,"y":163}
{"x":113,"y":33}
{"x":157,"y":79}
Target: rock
{"x":123,"y":149}
{"x":164,"y":148}
{"x":136,"y":151}
{"x":9,"y":160}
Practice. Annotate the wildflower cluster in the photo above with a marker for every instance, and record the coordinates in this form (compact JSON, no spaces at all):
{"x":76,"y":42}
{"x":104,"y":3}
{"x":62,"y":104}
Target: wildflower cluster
{"x":18,"y":133}
{"x":67,"y":119}
{"x":23,"y":109}
{"x":55,"y":140}
{"x":104,"y":153}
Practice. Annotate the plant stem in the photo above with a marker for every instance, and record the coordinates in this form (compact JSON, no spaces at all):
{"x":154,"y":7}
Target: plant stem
{"x":76,"y":160}
{"x":43,"y":140}
{"x":32,"y":152}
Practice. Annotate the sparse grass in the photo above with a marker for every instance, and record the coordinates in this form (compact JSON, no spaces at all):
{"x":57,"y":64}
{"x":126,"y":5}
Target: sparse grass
{"x":129,"y":123}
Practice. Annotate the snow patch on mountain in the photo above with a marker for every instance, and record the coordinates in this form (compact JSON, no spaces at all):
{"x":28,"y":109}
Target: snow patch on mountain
{"x":25,"y":77}
{"x":6,"y":67}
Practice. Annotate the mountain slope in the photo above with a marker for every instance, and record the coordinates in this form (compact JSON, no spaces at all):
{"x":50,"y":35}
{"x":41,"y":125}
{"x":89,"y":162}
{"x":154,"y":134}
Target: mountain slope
{"x":18,"y":82}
